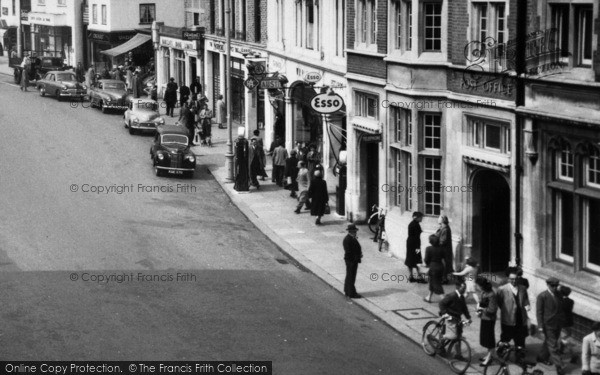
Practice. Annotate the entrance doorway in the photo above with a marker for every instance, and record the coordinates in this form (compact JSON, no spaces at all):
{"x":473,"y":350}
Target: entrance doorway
{"x":491,"y":221}
{"x":372,"y":149}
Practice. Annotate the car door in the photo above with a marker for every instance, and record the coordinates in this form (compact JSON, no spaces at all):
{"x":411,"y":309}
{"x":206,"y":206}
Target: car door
{"x":50,"y":85}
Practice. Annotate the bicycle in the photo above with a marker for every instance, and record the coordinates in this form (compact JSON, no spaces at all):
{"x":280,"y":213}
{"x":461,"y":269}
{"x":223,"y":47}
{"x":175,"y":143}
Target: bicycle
{"x":377,"y":226}
{"x":375,"y":217}
{"x":500,"y":365}
{"x":458,"y":349}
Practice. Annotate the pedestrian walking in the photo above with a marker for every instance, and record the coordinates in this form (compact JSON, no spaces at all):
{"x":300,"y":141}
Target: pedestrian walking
{"x":454,"y":305}
{"x":171,"y":96}
{"x":254,"y":163}
{"x":444,"y":233}
{"x":434,"y":259}
{"x":413,"y":247}
{"x":24,"y":77}
{"x":280,"y":154}
{"x":240,"y":161}
{"x":79,"y":75}
{"x":302,"y":151}
{"x":271,"y":152}
{"x":90,"y":77}
{"x":550,"y":318}
{"x":196,"y":87}
{"x":590,"y":352}
{"x":513,"y":303}
{"x":469,"y":274}
{"x":567,"y":344}
{"x":291,"y":173}
{"x":221,"y":112}
{"x":317,"y":192}
{"x":154,"y":92}
{"x":303,"y":184}
{"x":206,"y":125}
{"x":352,"y":257}
{"x":136,"y":85}
{"x":487,"y":310}
{"x":184,"y":93}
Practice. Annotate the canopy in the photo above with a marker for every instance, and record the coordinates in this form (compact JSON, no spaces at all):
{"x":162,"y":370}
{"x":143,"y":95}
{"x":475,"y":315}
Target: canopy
{"x":132,"y":43}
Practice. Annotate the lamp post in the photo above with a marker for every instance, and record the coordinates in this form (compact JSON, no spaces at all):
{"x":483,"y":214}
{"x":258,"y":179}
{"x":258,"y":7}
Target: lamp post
{"x":229,"y":154}
{"x":156,"y":44}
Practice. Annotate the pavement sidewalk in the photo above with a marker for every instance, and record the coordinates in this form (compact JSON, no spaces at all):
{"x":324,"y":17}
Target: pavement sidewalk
{"x":382,"y":279}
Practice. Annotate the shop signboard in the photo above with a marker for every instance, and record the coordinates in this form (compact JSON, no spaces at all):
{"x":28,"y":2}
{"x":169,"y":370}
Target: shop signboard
{"x":270,"y":83}
{"x":327,"y":103}
{"x":312,"y":77}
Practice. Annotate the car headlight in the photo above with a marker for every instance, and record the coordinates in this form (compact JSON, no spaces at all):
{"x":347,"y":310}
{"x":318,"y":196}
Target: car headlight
{"x":160,"y":156}
{"x":135,"y":119}
{"x":64,"y":87}
{"x":161,"y":120}
{"x":190,"y":158}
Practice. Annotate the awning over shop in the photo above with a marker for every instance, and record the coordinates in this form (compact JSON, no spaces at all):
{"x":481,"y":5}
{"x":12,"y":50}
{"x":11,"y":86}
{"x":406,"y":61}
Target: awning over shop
{"x":132,"y":43}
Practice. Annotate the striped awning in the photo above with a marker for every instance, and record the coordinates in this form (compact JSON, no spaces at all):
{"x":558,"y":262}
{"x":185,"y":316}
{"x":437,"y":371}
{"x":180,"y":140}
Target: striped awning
{"x":132,"y":43}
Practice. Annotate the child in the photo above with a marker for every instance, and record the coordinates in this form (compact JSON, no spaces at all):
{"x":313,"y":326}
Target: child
{"x":567,"y":343}
{"x":469,"y":273}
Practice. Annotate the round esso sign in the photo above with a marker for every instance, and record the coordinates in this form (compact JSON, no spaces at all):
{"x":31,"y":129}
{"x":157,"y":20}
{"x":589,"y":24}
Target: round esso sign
{"x":327,"y":103}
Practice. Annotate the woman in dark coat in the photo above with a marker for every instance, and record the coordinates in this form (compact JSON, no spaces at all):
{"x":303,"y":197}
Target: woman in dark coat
{"x":444,"y":233}
{"x":318,"y":194}
{"x":486,"y":310}
{"x":434,"y":259}
{"x":413,"y":247}
{"x":291,"y":171}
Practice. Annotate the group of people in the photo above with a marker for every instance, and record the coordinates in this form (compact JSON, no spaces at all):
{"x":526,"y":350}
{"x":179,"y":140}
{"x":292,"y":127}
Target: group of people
{"x":128,"y":73}
{"x":29,"y":66}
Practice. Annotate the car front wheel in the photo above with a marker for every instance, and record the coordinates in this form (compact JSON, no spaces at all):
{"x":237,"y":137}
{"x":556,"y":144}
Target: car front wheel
{"x":131,"y":130}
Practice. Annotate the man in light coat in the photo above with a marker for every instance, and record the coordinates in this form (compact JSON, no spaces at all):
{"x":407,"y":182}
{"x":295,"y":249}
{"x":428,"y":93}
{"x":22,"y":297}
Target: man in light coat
{"x":513,"y":302}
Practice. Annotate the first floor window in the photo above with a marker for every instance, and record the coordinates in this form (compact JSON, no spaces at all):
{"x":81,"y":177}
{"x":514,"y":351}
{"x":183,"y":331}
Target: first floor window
{"x":565,"y":163}
{"x":147,"y":13}
{"x":403,"y":190}
{"x":432,"y":13}
{"x":94,"y":14}
{"x":593,"y":168}
{"x":564,"y":225}
{"x":433,"y":181}
{"x":432,"y":123}
{"x":489,"y":134}
{"x":365,"y":105}
{"x":584,"y":35}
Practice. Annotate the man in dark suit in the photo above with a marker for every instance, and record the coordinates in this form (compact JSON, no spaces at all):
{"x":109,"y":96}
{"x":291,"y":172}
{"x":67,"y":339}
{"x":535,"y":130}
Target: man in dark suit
{"x":454,"y":305}
{"x":352,"y":256}
{"x":550,"y":318}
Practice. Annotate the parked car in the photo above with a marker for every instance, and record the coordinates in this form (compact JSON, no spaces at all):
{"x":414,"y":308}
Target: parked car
{"x":171,"y":152}
{"x":108,"y":94}
{"x":61,"y":84}
{"x":142,"y":115}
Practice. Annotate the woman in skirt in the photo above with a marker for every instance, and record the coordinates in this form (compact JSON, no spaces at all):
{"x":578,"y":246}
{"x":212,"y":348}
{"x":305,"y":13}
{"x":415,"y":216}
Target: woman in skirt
{"x":413,"y":247}
{"x":486,"y":310}
{"x":434,"y":259}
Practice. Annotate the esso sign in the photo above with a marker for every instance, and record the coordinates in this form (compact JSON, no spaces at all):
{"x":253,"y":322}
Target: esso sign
{"x":312,"y":77}
{"x":327,"y":103}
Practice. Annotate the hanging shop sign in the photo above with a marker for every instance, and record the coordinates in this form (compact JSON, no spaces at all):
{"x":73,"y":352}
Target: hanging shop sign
{"x":193,"y":35}
{"x":312,"y":77}
{"x":327,"y":103}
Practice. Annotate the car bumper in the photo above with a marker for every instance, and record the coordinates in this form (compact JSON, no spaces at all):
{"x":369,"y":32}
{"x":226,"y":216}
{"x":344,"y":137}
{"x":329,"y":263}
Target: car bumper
{"x":115,"y":106}
{"x":144,"y":126}
{"x":172,"y":170}
{"x":73,"y":94}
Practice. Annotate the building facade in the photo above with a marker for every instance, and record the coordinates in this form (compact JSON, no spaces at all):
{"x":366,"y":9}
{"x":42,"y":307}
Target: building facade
{"x":55,"y":28}
{"x":10,"y":23}
{"x":308,"y":37}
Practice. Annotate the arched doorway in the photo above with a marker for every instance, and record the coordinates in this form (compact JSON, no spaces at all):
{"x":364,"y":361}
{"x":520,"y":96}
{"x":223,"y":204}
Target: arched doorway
{"x":491,"y":220}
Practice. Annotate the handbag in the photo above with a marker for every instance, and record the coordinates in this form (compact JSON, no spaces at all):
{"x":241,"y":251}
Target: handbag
{"x":327,"y":209}
{"x":289,"y":180}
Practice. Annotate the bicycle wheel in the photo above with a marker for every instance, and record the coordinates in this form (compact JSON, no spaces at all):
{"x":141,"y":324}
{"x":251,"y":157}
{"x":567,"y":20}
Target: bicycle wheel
{"x":495,"y":368}
{"x":432,"y":337}
{"x":380,"y":240}
{"x":459,"y":355}
{"x":373,"y":222}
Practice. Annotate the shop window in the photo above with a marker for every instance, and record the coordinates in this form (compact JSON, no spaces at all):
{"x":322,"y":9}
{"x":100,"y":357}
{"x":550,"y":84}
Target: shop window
{"x":432,"y":168}
{"x":432,"y":27}
{"x":432,"y":130}
{"x":564,"y":228}
{"x":365,"y":105}
{"x":147,"y":13}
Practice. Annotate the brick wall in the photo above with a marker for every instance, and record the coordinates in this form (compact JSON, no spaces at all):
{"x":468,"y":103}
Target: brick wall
{"x":458,"y":28}
{"x":367,"y":65}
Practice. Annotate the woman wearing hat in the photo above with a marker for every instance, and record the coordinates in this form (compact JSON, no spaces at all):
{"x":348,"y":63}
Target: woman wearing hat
{"x":413,"y":247}
{"x":352,"y":257}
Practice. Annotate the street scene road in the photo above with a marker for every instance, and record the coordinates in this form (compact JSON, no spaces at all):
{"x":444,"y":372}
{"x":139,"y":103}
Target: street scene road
{"x":102,"y":260}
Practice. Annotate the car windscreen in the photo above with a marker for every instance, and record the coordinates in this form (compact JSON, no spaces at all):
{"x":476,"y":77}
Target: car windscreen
{"x":113,"y":86}
{"x":65,"y":77}
{"x":174,"y":138}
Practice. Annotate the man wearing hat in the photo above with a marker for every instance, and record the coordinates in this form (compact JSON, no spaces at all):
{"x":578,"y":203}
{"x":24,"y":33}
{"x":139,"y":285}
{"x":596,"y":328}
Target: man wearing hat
{"x":550,"y":318}
{"x":352,"y":256}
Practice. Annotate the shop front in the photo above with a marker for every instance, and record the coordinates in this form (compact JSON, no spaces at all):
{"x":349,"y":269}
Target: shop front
{"x":178,"y":59}
{"x":100,"y":41}
{"x":51,"y":35}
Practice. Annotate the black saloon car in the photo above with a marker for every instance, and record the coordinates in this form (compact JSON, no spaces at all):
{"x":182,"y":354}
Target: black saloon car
{"x":171,"y":153}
